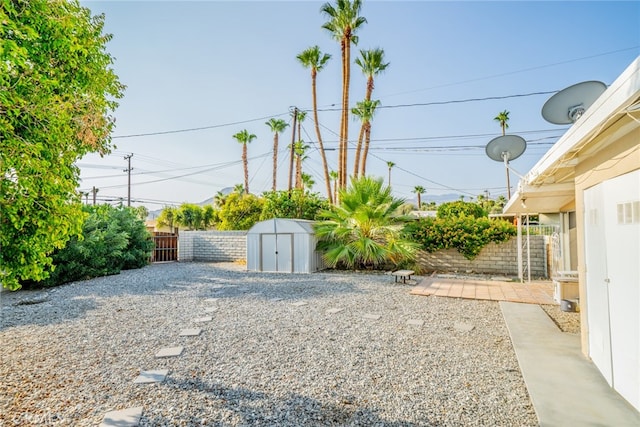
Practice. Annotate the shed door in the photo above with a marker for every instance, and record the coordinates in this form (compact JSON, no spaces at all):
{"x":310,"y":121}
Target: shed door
{"x":276,"y":252}
{"x":612,"y":233}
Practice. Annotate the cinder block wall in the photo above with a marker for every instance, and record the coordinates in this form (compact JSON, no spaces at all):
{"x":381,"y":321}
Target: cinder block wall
{"x":493,"y":259}
{"x":212,"y":246}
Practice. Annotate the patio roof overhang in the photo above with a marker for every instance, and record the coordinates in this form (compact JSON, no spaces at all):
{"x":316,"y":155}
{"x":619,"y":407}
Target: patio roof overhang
{"x":550,"y":185}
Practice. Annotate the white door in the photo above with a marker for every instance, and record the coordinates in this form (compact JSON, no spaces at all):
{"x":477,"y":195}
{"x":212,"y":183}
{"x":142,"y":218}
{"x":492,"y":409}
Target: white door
{"x":596,"y":281}
{"x":276,"y":252}
{"x":612,"y":255}
{"x":622,"y":223}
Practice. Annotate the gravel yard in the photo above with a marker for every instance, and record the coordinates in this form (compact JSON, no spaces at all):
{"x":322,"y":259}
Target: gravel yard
{"x":71,"y":354}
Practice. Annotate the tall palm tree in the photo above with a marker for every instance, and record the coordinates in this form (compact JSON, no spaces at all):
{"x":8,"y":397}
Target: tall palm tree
{"x":277,"y":126}
{"x":307,"y":181}
{"x":244,"y":137}
{"x":503,"y":118}
{"x":315,"y":60}
{"x":365,"y":111}
{"x":371,"y":63}
{"x":364,"y":230}
{"x":343,"y":21}
{"x":419,"y":191}
{"x":390,"y":165}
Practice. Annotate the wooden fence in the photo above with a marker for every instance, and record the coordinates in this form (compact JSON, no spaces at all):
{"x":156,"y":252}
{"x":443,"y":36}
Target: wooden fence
{"x":165,"y":247}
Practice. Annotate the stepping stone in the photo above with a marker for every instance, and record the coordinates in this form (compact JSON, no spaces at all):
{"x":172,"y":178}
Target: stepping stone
{"x":211,"y":299}
{"x":190,"y":332}
{"x":372,"y":316}
{"x":210,"y":309}
{"x":300,"y":303}
{"x":203,"y":319}
{"x":334,"y":310}
{"x":123,"y":418}
{"x":463,"y":327}
{"x":147,"y":377}
{"x":170,"y":352}
{"x":276,"y":299}
{"x":415,"y":322}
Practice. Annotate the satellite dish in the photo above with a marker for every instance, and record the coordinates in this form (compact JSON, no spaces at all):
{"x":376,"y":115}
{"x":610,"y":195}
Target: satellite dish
{"x":505,"y":148}
{"x":566,"y":106}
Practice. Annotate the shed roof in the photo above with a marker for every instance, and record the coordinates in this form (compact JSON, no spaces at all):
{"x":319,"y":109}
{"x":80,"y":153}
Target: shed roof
{"x":283,"y":225}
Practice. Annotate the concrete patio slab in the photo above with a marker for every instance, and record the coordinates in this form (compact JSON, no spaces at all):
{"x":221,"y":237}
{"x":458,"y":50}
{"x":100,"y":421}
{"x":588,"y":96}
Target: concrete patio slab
{"x":537,"y":292}
{"x":148,"y":377}
{"x":190,"y":332}
{"x":170,"y":352}
{"x":123,"y":418}
{"x":566,"y":389}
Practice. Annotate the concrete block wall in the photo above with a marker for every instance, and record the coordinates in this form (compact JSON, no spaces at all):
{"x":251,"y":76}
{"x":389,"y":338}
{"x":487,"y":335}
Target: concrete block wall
{"x":212,"y":246}
{"x":494,"y":258}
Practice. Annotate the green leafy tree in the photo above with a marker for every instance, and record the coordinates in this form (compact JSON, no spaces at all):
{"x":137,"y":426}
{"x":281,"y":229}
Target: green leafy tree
{"x":209,"y":217}
{"x":244,"y":137}
{"x":460,"y":208}
{"x":343,"y":21}
{"x":277,"y":126}
{"x":297,"y":204}
{"x":57,"y":91}
{"x":240,"y":212}
{"x":189,"y":215}
{"x":315,"y":60}
{"x":364,"y":230}
{"x":168,"y":218}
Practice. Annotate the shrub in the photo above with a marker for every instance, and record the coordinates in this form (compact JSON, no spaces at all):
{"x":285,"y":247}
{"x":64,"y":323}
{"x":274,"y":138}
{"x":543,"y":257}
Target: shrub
{"x":460,"y":208}
{"x":467,"y":234}
{"x":112,"y":239}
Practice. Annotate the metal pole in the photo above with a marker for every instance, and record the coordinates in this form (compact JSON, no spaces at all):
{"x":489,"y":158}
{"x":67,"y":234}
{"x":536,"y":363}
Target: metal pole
{"x":128,"y":170}
{"x":528,"y":253}
{"x":519,"y":243}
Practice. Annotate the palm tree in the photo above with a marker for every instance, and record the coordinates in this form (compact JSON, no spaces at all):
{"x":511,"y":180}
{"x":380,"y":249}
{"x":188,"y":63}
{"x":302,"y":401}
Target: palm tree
{"x":334,"y":178}
{"x":364,"y":230}
{"x":307,"y":181}
{"x":299,"y":148}
{"x":419,"y":191}
{"x":244,"y":137}
{"x":298,"y":117}
{"x":277,"y":126}
{"x":503,"y":118}
{"x":390,"y":165}
{"x":315,"y":60}
{"x":371,"y":63}
{"x":365,"y":111}
{"x":343,"y":21}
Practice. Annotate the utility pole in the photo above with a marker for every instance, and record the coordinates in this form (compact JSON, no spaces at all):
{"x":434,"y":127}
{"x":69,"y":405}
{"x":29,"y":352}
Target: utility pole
{"x":94,"y":190}
{"x":128,"y":170}
{"x":291,"y":151}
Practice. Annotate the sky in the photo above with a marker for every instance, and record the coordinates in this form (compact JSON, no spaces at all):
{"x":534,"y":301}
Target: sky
{"x":199,"y":72}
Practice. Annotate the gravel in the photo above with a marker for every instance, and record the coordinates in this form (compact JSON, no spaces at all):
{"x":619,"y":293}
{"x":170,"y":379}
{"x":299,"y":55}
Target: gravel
{"x":70,"y":354}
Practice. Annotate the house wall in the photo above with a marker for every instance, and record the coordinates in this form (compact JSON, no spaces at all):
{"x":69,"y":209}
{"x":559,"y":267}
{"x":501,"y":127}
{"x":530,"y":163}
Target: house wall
{"x":615,"y":160}
{"x":494,"y":258}
{"x":212,"y":246}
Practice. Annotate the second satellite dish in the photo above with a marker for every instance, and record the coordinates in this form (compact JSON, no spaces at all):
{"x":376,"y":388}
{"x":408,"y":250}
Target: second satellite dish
{"x":505,"y":148}
{"x":566,"y":106}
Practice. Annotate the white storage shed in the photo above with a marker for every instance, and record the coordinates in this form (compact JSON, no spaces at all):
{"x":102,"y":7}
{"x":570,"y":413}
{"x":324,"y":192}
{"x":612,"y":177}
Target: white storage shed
{"x":283,"y":245}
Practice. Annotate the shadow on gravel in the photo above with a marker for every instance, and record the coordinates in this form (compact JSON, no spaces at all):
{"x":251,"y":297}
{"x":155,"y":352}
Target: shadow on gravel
{"x":257,"y":408}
